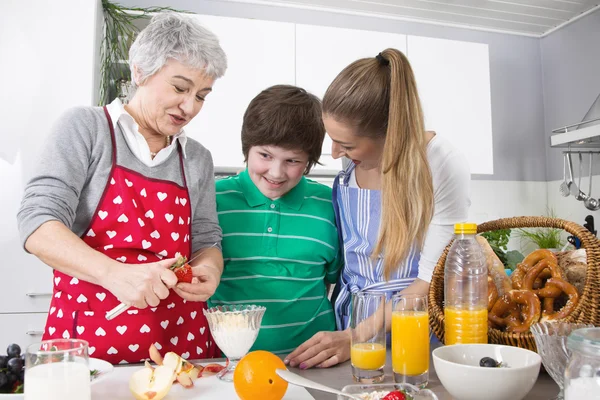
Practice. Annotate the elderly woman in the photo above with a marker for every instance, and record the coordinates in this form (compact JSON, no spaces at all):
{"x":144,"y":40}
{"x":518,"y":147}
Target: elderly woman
{"x":119,"y":191}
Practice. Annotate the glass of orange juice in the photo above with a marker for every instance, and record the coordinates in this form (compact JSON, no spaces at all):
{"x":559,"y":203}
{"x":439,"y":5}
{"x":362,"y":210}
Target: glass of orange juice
{"x":367,"y":324}
{"x":410,"y":339}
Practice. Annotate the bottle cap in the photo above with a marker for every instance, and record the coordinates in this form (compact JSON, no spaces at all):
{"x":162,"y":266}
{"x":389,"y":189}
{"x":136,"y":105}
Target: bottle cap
{"x":466,"y":227}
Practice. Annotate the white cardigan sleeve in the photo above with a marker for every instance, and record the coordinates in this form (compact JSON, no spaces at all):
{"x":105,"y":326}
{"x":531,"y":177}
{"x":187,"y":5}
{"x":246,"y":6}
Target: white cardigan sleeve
{"x":451,"y":190}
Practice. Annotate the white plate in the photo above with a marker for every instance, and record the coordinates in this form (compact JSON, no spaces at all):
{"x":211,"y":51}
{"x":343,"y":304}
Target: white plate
{"x":102,"y":366}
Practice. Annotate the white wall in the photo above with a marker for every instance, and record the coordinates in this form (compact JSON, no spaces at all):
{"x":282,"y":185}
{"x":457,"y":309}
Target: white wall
{"x":48,"y":65}
{"x":517,"y":108}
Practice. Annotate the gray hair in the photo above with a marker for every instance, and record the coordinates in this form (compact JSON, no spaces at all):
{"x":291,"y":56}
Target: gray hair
{"x":180,"y":37}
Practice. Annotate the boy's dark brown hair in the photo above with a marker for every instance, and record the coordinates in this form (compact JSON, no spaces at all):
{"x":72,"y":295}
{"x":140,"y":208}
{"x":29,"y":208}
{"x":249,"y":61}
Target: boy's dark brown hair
{"x":285,"y":116}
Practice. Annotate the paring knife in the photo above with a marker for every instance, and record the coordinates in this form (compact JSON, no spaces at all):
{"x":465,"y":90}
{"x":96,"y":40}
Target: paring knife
{"x":121,"y":308}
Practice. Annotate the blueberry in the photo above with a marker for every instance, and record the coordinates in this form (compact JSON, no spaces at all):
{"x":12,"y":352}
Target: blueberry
{"x":488,"y":362}
{"x":3,"y":361}
{"x":13,"y":350}
{"x":15,"y":365}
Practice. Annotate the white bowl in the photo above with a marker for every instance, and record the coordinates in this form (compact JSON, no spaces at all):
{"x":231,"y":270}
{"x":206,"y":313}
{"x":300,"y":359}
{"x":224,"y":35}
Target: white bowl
{"x":458,"y":368}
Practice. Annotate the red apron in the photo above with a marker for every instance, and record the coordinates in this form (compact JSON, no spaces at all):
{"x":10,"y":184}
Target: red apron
{"x":138,"y":220}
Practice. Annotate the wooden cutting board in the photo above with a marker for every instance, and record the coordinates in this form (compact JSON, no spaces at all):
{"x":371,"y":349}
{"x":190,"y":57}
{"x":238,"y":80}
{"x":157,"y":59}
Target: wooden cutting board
{"x":115,"y":386}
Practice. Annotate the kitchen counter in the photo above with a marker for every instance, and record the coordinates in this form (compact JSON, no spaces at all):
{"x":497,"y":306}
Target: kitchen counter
{"x":341,"y":375}
{"x":115,"y":386}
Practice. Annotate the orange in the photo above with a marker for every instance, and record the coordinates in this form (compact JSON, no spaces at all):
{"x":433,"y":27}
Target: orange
{"x":254,"y":377}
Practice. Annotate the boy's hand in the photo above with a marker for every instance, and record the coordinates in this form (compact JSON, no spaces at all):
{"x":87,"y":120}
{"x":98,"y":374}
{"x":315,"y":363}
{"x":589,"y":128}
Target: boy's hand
{"x":323,"y":350}
{"x":204,"y":283}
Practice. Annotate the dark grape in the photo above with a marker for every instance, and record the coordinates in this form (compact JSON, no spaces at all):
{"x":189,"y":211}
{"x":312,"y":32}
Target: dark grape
{"x":15,"y":365}
{"x":3,"y":381}
{"x":488,"y":362}
{"x":3,"y":361}
{"x":12,"y":378}
{"x":13,"y":350}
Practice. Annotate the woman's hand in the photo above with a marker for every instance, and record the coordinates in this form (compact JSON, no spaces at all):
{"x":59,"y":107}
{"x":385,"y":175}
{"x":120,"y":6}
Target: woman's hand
{"x":207,"y":269}
{"x":323,"y":350}
{"x":205,"y":282}
{"x":141,"y":285}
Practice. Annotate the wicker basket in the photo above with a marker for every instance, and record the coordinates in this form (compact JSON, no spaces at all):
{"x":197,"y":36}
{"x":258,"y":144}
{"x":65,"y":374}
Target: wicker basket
{"x":587,"y":311}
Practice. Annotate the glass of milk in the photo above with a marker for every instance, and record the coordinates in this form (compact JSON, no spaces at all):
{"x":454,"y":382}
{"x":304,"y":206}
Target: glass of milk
{"x":57,"y":370}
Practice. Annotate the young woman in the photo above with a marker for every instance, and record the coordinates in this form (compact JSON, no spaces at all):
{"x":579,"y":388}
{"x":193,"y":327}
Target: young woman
{"x":396,"y":202}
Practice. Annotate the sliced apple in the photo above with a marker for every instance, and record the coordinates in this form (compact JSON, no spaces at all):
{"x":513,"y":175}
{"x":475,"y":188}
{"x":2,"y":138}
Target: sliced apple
{"x":155,"y":355}
{"x":151,"y":383}
{"x":194,"y":373}
{"x":172,"y":360}
{"x":185,"y":380}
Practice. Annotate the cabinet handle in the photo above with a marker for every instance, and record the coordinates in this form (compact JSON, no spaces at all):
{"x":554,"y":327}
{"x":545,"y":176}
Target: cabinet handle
{"x":38,"y":294}
{"x":35,"y":333}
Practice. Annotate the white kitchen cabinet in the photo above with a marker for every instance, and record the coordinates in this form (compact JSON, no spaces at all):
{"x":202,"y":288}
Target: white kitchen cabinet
{"x":260,"y":54}
{"x":22,"y":329}
{"x":323,"y":52}
{"x":453,"y":80}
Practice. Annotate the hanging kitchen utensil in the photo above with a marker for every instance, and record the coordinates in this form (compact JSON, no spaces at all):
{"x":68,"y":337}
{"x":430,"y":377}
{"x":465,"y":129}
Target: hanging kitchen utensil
{"x":591,"y":203}
{"x":581,"y":196}
{"x":564,"y":186}
{"x":573,"y":189}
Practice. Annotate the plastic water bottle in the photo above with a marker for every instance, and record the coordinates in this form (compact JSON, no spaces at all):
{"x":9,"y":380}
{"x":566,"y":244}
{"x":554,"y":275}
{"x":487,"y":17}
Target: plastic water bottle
{"x":465,"y":289}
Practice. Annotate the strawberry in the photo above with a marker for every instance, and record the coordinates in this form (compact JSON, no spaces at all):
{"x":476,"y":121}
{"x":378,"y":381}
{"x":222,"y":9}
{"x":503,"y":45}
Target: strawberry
{"x":395,"y":395}
{"x":182,"y":270}
{"x":184,"y":273}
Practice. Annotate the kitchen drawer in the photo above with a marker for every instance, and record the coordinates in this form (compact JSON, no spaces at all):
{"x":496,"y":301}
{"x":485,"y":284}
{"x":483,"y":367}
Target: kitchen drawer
{"x":23,"y":329}
{"x":27,"y":289}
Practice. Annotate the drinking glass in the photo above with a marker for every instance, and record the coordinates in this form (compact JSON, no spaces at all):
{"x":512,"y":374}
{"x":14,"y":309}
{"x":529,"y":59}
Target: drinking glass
{"x":57,"y":370}
{"x":235,"y":329}
{"x":367,"y":324}
{"x":410,"y":339}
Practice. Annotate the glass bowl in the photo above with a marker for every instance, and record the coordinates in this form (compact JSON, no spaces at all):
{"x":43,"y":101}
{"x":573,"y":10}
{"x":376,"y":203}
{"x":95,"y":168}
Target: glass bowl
{"x":379,"y":390}
{"x":551,"y":342}
{"x":234,"y":328}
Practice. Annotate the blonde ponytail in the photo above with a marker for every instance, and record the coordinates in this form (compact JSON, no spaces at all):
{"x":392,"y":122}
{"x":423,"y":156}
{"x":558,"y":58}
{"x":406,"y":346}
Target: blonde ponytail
{"x":380,"y":98}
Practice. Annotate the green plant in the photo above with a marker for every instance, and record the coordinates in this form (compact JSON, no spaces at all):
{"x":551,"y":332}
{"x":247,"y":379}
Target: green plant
{"x":544,"y":238}
{"x":498,"y":241}
{"x":119,"y":32}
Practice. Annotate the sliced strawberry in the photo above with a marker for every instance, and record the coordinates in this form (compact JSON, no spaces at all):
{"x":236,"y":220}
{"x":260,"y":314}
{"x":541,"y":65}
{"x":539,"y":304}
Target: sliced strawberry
{"x":395,"y":395}
{"x":211,"y":369}
{"x":184,"y":274}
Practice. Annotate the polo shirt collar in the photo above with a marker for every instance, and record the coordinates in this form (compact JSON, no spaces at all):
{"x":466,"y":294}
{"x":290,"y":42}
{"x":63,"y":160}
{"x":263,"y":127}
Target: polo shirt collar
{"x":292,"y":199}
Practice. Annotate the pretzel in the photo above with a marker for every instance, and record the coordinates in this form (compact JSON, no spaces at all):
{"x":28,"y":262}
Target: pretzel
{"x":492,"y":293}
{"x":553,"y":288}
{"x":517,"y":310}
{"x":567,"y":309}
{"x":529,"y":262}
{"x":536,"y":274}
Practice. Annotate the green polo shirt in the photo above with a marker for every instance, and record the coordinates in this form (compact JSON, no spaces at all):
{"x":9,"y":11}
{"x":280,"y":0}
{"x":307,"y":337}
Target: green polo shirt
{"x":279,"y":254}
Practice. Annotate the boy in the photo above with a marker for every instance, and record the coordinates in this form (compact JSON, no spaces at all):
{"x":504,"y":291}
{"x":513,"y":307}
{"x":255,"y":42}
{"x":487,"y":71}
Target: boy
{"x":280,"y":242}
